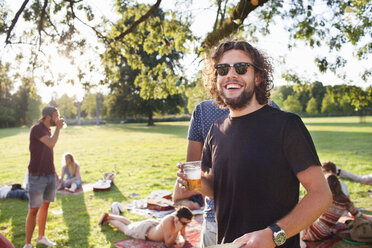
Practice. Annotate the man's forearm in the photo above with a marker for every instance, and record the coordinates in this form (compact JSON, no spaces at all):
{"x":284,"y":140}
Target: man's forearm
{"x":305,"y":213}
{"x":317,"y":200}
{"x":55,"y":136}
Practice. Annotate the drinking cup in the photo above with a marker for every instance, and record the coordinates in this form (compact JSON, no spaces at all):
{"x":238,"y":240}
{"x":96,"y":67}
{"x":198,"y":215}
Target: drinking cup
{"x":193,"y":175}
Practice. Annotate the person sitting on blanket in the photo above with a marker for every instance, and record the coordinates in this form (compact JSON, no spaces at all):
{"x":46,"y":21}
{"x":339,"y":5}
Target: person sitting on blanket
{"x":71,"y":169}
{"x":167,"y":230}
{"x":323,"y":227}
{"x":191,"y":199}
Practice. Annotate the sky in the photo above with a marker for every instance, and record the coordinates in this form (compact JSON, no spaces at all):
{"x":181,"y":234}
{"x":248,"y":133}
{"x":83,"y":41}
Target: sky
{"x":299,"y":59}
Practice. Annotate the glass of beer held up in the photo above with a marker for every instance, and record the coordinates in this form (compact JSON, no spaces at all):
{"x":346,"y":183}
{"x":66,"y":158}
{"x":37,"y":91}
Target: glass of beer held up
{"x":193,"y":174}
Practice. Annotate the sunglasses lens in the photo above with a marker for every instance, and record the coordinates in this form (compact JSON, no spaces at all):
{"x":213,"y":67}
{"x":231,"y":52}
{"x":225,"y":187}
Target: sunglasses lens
{"x":223,"y":69}
{"x":241,"y":68}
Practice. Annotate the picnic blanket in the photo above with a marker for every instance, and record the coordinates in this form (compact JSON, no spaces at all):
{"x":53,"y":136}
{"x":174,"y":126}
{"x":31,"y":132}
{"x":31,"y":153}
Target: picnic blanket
{"x":140,"y":207}
{"x":83,"y":188}
{"x":192,"y":233}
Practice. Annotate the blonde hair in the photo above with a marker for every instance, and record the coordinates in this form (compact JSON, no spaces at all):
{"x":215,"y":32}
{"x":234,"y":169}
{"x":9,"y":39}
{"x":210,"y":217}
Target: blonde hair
{"x":71,"y":167}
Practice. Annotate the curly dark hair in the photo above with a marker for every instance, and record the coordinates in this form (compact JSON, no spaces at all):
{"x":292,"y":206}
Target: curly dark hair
{"x":262,"y":67}
{"x":184,"y":212}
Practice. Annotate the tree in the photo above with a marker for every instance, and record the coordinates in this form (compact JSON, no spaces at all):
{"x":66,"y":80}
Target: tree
{"x":346,"y":106}
{"x":195,"y":94}
{"x":66,"y":106}
{"x":346,"y":23}
{"x":6,"y":106}
{"x":301,"y":88}
{"x":142,"y":69}
{"x":328,"y":105}
{"x":27,"y":103}
{"x":312,"y":106}
{"x":292,"y":104}
{"x":89,"y":104}
{"x":277,"y":97}
{"x":61,"y":21}
{"x":317,"y":91}
{"x":285,"y":91}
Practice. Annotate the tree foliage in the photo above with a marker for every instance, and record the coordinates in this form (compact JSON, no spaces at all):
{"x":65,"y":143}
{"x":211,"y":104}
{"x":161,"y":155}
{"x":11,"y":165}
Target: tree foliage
{"x":327,"y":100}
{"x":142,"y":69}
{"x":292,"y":104}
{"x":66,"y":106}
{"x":331,"y":23}
{"x":27,"y":103}
{"x":312,"y":106}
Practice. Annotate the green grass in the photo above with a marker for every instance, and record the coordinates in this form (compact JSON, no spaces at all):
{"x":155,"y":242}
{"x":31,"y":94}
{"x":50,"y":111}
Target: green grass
{"x":145,"y":159}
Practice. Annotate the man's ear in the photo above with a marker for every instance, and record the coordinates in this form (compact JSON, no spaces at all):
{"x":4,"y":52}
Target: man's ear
{"x":257,"y":80}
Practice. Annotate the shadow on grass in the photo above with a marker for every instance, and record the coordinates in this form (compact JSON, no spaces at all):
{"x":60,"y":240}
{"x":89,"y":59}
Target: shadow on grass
{"x":114,"y":194}
{"x":76,"y":218}
{"x":13,"y":211}
{"x":110,"y":196}
{"x":112,"y":235}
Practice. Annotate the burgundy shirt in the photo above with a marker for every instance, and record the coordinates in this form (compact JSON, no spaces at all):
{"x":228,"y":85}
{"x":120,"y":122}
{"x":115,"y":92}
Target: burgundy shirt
{"x":41,"y":156}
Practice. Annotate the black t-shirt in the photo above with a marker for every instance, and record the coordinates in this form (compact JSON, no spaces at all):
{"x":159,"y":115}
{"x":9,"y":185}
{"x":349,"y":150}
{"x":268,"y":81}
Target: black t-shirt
{"x":255,"y":159}
{"x":41,"y":156}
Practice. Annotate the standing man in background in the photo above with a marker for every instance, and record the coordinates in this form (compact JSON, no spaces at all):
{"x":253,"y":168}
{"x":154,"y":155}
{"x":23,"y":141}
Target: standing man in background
{"x":42,"y":179}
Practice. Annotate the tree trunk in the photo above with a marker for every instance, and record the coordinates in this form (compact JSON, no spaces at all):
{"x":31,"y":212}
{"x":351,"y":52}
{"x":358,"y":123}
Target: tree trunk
{"x":150,"y":122}
{"x":79,"y":105}
{"x":97,"y":110}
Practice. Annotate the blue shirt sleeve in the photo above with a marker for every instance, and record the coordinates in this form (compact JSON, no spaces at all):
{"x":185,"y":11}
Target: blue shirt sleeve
{"x":195,"y":127}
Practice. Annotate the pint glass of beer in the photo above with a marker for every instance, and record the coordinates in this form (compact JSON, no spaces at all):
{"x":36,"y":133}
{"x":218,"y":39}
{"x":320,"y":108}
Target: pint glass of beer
{"x":193,"y":174}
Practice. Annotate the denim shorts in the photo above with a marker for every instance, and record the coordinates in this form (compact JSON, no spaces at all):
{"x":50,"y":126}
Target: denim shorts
{"x":41,"y":189}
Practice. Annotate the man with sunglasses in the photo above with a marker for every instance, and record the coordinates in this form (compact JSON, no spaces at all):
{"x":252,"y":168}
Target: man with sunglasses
{"x":42,"y":176}
{"x":167,"y":230}
{"x":203,"y":116}
{"x":257,"y":155}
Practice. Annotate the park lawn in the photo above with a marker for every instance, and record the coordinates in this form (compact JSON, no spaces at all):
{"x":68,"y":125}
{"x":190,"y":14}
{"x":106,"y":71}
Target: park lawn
{"x":145,"y":159}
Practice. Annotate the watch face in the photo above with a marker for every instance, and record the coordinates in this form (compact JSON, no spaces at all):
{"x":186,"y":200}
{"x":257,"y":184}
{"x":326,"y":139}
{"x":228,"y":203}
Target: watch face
{"x":280,"y":238}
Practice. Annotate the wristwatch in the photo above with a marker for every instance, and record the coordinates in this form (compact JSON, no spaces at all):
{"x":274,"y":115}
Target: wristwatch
{"x":279,"y":235}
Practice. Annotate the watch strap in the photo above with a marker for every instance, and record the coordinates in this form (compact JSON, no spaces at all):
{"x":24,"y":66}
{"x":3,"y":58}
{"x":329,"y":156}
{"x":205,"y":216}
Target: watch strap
{"x":275,"y":228}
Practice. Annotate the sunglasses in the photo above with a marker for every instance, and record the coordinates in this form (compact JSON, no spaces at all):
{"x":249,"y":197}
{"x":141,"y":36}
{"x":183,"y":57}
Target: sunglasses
{"x":184,"y":223}
{"x":240,"y":68}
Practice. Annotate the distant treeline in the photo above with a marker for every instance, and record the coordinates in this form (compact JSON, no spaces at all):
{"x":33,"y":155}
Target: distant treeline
{"x":24,"y":106}
{"x":317,"y":100}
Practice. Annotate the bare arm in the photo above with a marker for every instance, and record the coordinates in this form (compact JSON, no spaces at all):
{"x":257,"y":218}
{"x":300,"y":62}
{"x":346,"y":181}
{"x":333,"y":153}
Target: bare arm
{"x":179,"y":193}
{"x":194,"y":150}
{"x":51,"y":141}
{"x":63,"y":172}
{"x":171,"y":228}
{"x":315,"y":202}
{"x":306,"y":212}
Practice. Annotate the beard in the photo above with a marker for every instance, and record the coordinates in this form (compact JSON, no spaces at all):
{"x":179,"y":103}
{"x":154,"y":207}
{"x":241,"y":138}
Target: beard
{"x":241,"y":101}
{"x":52,"y":123}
